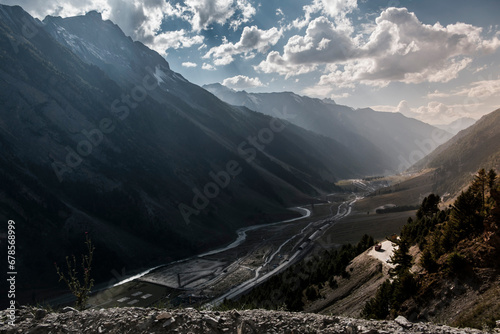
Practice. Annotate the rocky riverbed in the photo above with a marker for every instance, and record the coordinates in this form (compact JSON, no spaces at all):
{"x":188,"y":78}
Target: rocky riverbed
{"x":192,"y":321}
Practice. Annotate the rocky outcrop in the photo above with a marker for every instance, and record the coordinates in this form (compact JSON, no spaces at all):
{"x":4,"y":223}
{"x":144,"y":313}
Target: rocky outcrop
{"x":153,"y":320}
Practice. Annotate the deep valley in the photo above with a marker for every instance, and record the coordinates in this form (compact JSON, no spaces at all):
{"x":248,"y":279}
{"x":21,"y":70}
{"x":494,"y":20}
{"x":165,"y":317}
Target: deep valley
{"x":245,"y":167}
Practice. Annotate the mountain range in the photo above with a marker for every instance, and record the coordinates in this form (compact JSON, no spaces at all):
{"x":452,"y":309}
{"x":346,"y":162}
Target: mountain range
{"x":388,"y":142}
{"x":457,"y":125}
{"x":99,"y":135}
{"x":457,"y":161}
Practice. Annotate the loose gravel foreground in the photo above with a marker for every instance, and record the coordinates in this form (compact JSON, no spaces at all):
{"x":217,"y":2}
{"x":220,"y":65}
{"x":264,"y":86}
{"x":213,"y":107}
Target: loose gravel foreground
{"x":152,"y":320}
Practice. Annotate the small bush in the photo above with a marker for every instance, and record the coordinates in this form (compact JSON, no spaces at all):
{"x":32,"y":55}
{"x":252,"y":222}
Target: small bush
{"x":79,"y":284}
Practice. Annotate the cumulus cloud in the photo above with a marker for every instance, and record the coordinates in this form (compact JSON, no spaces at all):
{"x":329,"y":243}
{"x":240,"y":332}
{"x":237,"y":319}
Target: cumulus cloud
{"x":189,"y":64}
{"x":242,"y":81}
{"x":252,"y":38}
{"x":399,"y":48}
{"x":322,"y":43}
{"x":203,"y":13}
{"x":247,"y":12}
{"x":208,"y":67}
{"x":482,"y":89}
{"x":309,"y":10}
{"x":275,"y":63}
{"x":336,"y":9}
{"x":206,"y":12}
{"x":143,"y":20}
{"x":171,"y":40}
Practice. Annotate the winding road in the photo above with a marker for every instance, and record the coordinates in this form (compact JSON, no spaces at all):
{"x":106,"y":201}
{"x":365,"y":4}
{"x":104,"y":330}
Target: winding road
{"x":343,"y":210}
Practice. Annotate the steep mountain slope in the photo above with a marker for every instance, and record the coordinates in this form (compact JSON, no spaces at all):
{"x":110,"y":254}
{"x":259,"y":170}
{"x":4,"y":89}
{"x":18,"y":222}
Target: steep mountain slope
{"x":386,"y":141}
{"x":471,"y":149}
{"x":98,"y":135}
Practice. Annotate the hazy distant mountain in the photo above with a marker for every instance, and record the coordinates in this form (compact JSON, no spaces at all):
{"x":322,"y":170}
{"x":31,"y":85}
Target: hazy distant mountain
{"x":459,"y":159}
{"x":457,"y":125}
{"x":97,"y":134}
{"x":385,"y":141}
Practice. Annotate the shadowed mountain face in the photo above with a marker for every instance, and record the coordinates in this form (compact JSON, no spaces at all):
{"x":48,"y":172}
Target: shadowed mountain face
{"x":98,"y":135}
{"x":388,"y":142}
{"x":471,"y":149}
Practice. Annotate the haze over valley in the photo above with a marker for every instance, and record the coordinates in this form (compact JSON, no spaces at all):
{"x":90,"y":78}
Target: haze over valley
{"x":210,"y":150}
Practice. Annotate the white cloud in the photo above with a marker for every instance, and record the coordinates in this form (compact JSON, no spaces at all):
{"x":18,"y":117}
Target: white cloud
{"x":206,"y":12}
{"x":437,"y":94}
{"x":208,"y":67}
{"x":322,"y":43}
{"x":189,"y":64}
{"x":482,"y":89}
{"x":172,"y":40}
{"x":275,"y":63}
{"x":242,"y":81}
{"x":317,"y":91}
{"x":247,"y":12}
{"x":399,"y":48}
{"x":308,"y":11}
{"x":340,"y":96}
{"x":143,"y":20}
{"x":202,"y":13}
{"x":252,"y":38}
{"x":336,"y":9}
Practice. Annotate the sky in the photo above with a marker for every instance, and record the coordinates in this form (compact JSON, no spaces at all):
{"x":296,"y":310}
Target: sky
{"x":434,"y":60}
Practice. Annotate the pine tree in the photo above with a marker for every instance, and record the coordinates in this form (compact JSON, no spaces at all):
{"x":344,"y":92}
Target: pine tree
{"x":479,"y":186}
{"x":491,"y":179}
{"x":429,"y":206}
{"x":401,"y":258}
{"x":466,"y":214}
{"x":428,"y":262}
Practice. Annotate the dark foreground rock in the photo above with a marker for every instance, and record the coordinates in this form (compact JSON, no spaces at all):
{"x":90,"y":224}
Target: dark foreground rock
{"x":151,"y":320}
